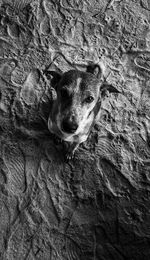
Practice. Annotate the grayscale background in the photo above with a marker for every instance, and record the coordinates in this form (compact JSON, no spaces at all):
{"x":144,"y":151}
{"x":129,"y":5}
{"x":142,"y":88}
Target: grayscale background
{"x":97,"y":206}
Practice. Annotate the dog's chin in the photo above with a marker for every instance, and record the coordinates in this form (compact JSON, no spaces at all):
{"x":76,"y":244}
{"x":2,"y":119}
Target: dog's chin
{"x":67,"y":136}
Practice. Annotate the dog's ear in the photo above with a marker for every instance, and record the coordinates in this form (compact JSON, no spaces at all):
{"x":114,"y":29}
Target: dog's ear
{"x":95,"y":69}
{"x":54,"y":77}
{"x":108,"y":88}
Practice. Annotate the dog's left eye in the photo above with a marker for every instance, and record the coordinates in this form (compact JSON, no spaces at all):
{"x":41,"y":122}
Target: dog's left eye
{"x":89,"y":99}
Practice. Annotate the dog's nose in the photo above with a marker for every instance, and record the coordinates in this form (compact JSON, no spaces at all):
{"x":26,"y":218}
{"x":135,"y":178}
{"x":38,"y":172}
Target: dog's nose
{"x":69,"y":126}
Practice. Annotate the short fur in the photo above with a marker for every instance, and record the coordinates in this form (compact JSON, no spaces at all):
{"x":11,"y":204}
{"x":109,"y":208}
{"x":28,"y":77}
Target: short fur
{"x":77,"y":105}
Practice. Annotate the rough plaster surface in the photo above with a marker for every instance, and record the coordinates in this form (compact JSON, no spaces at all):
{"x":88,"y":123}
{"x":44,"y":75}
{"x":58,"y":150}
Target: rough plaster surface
{"x":96,"y":207}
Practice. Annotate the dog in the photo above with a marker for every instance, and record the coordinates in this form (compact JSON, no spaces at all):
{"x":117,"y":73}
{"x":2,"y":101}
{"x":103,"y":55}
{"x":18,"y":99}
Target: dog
{"x":77,"y":105}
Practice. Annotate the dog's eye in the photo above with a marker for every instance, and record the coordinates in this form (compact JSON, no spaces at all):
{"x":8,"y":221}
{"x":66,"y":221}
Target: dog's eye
{"x":64,"y":93}
{"x":89,"y":99}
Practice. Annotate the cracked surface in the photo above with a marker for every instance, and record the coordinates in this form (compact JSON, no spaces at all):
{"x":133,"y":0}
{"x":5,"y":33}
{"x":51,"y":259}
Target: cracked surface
{"x":95,"y":207}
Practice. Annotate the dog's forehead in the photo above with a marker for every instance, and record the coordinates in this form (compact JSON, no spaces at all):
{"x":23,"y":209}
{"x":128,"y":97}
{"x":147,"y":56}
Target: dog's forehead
{"x":79,"y":80}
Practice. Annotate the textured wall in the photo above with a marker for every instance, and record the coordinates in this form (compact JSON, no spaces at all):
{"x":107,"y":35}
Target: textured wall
{"x":97,"y":206}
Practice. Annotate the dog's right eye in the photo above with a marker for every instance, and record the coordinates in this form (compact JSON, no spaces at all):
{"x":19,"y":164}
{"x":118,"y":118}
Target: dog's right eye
{"x":64,"y":93}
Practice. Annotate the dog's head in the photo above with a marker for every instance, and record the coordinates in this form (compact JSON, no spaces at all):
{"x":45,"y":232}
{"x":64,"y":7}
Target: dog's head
{"x":79,"y":97}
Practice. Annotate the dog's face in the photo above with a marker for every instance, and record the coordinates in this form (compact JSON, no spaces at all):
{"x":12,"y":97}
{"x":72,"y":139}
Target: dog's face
{"x":78,"y":97}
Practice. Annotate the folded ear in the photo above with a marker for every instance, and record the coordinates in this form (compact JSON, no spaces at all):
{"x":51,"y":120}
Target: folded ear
{"x":54,"y":77}
{"x":108,"y":88}
{"x":95,"y":69}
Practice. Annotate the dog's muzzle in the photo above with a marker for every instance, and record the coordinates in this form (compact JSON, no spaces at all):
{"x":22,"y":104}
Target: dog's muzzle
{"x":69,"y":126}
